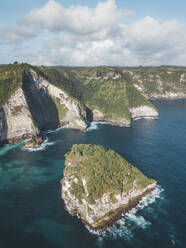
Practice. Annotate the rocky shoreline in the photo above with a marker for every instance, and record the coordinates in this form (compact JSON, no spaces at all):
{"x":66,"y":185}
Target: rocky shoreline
{"x":100,"y":186}
{"x":117,"y":214}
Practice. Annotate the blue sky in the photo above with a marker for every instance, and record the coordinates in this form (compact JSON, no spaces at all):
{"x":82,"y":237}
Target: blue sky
{"x":111,"y":32}
{"x":162,"y":9}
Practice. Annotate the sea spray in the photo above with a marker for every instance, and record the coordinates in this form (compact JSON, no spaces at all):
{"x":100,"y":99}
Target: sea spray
{"x":123,"y":228}
{"x":145,"y":118}
{"x":55,"y":130}
{"x":39,"y":147}
{"x":95,"y":125}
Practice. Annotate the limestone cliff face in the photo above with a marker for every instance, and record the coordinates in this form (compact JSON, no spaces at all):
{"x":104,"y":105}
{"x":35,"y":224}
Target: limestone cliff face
{"x":158,"y":82}
{"x":169,"y":95}
{"x":98,"y":116}
{"x":38,"y":106}
{"x":97,"y":214}
{"x":99,"y":184}
{"x":52,"y":106}
{"x":16,"y":122}
{"x":143,"y":111}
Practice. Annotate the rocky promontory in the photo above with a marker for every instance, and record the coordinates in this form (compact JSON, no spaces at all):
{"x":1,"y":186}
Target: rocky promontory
{"x":99,"y":185}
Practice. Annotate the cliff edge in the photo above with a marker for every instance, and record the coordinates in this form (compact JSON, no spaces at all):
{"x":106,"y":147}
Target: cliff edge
{"x":99,"y":185}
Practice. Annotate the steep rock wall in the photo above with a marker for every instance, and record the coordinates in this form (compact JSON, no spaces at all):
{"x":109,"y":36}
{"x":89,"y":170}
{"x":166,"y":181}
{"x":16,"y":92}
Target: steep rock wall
{"x":98,"y":116}
{"x":16,"y":122}
{"x":142,"y":111}
{"x":51,"y":106}
{"x":95,"y":213}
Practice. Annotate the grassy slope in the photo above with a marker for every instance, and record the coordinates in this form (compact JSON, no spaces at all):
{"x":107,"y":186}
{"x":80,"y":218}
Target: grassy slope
{"x":104,"y":170}
{"x":157,"y":80}
{"x":96,"y":88}
{"x":100,"y":88}
{"x":11,"y":79}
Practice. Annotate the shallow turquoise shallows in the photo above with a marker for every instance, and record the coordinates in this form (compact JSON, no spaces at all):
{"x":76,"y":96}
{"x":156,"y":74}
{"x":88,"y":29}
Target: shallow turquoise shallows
{"x":32,"y":214}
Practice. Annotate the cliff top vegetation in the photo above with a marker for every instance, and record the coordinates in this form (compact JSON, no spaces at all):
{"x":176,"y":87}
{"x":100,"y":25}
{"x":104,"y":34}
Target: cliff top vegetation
{"x":104,"y":171}
{"x":11,"y":79}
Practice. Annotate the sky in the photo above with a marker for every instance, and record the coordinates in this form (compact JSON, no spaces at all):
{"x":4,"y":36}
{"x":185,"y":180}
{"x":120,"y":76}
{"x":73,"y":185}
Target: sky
{"x":93,"y":33}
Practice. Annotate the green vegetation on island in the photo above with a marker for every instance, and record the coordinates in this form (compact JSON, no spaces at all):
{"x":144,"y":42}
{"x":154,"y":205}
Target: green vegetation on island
{"x":103,"y":170}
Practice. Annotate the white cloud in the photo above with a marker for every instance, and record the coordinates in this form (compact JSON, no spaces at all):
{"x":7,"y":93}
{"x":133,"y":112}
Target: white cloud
{"x":145,"y":42}
{"x":56,"y":18}
{"x":77,"y":19}
{"x":80,"y":35}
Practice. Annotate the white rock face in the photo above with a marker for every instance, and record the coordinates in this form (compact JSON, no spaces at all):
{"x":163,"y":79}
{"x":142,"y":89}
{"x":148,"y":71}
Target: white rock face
{"x":98,"y":116}
{"x":170,"y":95}
{"x":92,"y":213}
{"x":143,"y":111}
{"x":15,"y":118}
{"x":75,"y":116}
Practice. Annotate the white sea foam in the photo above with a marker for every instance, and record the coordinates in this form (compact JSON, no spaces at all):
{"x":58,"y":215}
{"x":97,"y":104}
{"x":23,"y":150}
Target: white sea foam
{"x":93,"y":126}
{"x":146,"y":118}
{"x":62,"y":127}
{"x":125,"y":226}
{"x":55,"y":130}
{"x":39,"y":147}
{"x":48,"y":131}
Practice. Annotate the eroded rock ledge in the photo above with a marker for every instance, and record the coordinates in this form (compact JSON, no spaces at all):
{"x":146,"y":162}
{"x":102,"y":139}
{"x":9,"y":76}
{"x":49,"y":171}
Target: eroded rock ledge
{"x":99,"y":185}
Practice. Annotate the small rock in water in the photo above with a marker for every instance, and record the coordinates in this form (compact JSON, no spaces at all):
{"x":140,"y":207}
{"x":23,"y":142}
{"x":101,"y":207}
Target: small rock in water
{"x":34,"y":141}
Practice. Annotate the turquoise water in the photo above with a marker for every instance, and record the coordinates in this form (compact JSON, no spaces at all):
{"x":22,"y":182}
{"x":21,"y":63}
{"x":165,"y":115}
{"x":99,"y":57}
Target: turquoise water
{"x":32,"y":213}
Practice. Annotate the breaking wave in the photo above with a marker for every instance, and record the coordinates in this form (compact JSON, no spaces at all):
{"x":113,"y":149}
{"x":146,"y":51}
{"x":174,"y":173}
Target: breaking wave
{"x":55,"y":130}
{"x":95,"y":125}
{"x":146,"y":118}
{"x":125,"y":226}
{"x":39,"y":147}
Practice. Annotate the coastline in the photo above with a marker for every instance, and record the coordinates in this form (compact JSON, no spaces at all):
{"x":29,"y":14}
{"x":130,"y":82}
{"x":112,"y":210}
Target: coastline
{"x":109,"y":219}
{"x":101,"y":121}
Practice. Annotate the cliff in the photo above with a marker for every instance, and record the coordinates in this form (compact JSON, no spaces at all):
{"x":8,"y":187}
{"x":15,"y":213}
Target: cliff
{"x":30,"y":104}
{"x":43,"y":97}
{"x":16,"y":122}
{"x":109,"y":96}
{"x":99,"y":185}
{"x":157,"y":82}
{"x":51,"y":106}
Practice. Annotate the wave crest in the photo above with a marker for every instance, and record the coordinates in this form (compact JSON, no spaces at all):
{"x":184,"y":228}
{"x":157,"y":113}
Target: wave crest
{"x":39,"y":147}
{"x":131,"y":220}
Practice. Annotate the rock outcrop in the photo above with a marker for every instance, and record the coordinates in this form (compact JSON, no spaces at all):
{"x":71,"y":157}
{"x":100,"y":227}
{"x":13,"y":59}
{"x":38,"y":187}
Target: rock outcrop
{"x":38,"y":106}
{"x":33,"y":99}
{"x":143,"y":111}
{"x":98,"y":116}
{"x":52,"y":106}
{"x":35,"y":141}
{"x":99,"y":185}
{"x":16,"y":122}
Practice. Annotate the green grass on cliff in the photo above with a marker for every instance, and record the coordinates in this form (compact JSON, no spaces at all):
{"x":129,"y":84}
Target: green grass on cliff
{"x":105,"y":89}
{"x":157,"y":80}
{"x":104,"y":170}
{"x":111,"y":90}
{"x":136,"y":99}
{"x":11,"y":79}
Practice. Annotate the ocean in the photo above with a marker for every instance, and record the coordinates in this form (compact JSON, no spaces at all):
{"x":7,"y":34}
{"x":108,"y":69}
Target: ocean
{"x":33,"y":215}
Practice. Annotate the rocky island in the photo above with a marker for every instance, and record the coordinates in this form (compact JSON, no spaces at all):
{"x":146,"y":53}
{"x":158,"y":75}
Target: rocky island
{"x":99,"y":185}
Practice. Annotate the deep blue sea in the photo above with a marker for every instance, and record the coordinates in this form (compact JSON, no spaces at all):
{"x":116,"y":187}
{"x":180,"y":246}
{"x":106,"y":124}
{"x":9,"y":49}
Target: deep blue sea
{"x":32,"y":214}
